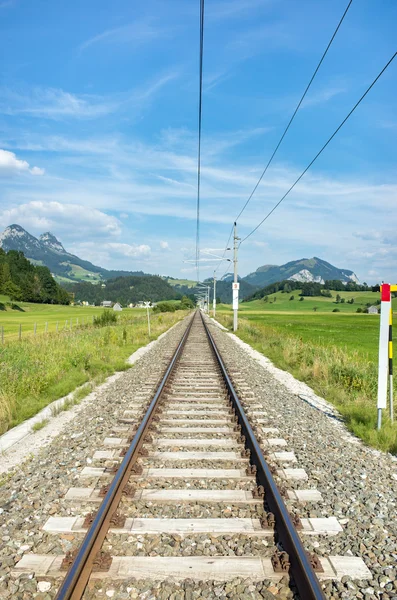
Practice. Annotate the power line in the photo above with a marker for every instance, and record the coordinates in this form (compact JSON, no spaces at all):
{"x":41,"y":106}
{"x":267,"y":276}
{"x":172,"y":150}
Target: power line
{"x":294,"y":113}
{"x":322,"y":149}
{"x":199,"y":137}
{"x":289,"y":124}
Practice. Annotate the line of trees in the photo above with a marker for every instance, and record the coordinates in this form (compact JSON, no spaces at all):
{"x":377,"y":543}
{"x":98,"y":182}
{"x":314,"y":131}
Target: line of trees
{"x":23,"y":281}
{"x":125,"y":290}
{"x":311,"y":288}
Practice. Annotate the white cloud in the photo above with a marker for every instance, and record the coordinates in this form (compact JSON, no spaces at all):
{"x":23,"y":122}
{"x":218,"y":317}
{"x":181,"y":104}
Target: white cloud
{"x":136,"y":34}
{"x":128,"y":250}
{"x":74,"y":220}
{"x":11,"y":165}
{"x":164,"y":245}
{"x":56,"y":104}
{"x":323,"y":96}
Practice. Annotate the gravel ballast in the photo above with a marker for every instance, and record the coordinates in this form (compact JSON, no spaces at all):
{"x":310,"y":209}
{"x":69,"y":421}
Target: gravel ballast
{"x":358,"y":486}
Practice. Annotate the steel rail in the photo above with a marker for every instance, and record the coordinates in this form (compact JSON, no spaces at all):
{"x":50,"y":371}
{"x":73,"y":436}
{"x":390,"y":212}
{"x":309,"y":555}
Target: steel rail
{"x":76,"y":579}
{"x":301,"y":569}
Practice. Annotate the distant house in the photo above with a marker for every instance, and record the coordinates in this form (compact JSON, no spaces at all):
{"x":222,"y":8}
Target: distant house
{"x":107,"y":304}
{"x":373,"y":310}
{"x":117,"y":307}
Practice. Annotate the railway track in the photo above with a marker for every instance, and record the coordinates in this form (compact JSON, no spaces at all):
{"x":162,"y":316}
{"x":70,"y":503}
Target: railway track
{"x":189,"y":467}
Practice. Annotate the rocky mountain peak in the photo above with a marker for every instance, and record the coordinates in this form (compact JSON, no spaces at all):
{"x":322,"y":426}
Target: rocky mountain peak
{"x":15,"y":237}
{"x":50,"y":241}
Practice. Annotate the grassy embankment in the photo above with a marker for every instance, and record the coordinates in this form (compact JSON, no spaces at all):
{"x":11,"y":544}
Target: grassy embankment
{"x":40,"y":369}
{"x":336,"y":354}
{"x":28,"y":314}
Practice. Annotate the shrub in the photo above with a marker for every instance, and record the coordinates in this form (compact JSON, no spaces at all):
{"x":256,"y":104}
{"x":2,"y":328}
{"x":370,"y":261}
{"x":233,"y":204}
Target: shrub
{"x":301,"y":299}
{"x":186,"y":303}
{"x":107,"y":317}
{"x":164,"y":307}
{"x":359,"y":310}
{"x":336,"y":310}
{"x":292,"y":298}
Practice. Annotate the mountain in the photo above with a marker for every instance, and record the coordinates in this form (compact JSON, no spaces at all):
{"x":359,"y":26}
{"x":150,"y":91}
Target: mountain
{"x":125,"y":290}
{"x":305,"y":270}
{"x":48,"y":251}
{"x":51,"y":242}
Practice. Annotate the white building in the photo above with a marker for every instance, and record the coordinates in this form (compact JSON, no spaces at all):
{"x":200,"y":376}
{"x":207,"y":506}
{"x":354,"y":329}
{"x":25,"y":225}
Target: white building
{"x":117,"y":307}
{"x":107,"y":304}
{"x":373,"y":310}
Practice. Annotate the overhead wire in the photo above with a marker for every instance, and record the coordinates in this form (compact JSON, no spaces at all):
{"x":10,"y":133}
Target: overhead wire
{"x":289,"y":122}
{"x":321,"y":150}
{"x":295,"y":111}
{"x":201,"y":53}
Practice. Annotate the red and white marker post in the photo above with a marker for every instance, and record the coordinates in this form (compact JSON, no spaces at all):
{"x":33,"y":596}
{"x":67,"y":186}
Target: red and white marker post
{"x":385,"y":366}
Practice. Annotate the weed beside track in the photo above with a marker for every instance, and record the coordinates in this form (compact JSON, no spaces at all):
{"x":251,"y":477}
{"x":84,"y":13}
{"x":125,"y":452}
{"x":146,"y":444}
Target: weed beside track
{"x":342,"y":376}
{"x":36,"y":371}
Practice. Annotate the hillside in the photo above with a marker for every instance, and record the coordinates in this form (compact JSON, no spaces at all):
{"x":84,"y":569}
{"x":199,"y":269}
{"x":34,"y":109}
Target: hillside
{"x":23,"y":281}
{"x":48,"y":251}
{"x":304,"y":270}
{"x":126,"y":290}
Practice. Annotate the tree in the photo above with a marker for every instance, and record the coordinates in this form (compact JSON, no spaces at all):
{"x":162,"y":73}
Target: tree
{"x":186,"y":303}
{"x":342,"y":300}
{"x":266,"y":299}
{"x":12,"y":290}
{"x":301,"y":299}
{"x":292,"y":298}
{"x":315,"y":308}
{"x":338,"y":298}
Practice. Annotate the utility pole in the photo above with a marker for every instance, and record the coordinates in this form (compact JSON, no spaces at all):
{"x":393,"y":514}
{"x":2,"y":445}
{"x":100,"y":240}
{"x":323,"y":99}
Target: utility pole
{"x":214,"y":299}
{"x":235,"y":284}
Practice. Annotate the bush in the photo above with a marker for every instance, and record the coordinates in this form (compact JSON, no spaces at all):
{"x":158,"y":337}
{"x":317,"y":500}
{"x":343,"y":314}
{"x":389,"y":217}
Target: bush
{"x":107,"y":317}
{"x":162,"y":307}
{"x":292,"y":298}
{"x":336,"y":310}
{"x":186,"y":303}
{"x":301,"y":299}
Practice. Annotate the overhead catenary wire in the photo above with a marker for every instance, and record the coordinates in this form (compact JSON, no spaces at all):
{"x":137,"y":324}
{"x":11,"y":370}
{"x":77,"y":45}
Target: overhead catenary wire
{"x":321,"y":150}
{"x":289,"y":122}
{"x":294,"y":113}
{"x":201,"y":53}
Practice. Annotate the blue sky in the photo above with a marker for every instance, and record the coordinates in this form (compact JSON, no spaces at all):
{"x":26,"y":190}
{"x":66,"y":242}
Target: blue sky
{"x":98,"y":130}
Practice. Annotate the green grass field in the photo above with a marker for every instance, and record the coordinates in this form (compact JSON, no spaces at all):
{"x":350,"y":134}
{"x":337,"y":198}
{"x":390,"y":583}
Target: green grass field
{"x":335,"y":353}
{"x":64,"y":316}
{"x":188,"y":282}
{"x":38,"y":370}
{"x":281,"y":302}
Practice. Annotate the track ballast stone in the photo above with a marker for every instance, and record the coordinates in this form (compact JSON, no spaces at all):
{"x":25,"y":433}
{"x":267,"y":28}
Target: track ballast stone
{"x":358,"y":484}
{"x":351,"y":490}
